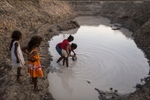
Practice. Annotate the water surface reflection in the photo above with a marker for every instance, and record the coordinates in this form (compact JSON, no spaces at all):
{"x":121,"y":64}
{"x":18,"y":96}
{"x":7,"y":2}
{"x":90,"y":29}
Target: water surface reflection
{"x":106,"y":58}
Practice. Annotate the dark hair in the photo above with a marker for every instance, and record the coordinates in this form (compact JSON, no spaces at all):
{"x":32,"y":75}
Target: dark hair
{"x":16,"y":35}
{"x":70,"y":38}
{"x":73,"y":46}
{"x":34,"y":41}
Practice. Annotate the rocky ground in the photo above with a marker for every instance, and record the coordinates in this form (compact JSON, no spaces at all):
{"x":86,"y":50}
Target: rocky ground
{"x":48,"y":18}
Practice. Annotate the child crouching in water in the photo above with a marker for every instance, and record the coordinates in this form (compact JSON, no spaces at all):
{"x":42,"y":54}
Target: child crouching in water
{"x":34,"y":65}
{"x":70,"y":48}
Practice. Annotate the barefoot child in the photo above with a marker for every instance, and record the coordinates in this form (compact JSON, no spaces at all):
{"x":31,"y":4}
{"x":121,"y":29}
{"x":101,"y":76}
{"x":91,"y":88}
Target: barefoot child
{"x":16,"y":53}
{"x":63,"y":49}
{"x":71,"y":48}
{"x":34,"y":65}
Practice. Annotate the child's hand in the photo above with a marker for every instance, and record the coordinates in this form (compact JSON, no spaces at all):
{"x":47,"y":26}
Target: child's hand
{"x":72,"y":55}
{"x":31,"y":57}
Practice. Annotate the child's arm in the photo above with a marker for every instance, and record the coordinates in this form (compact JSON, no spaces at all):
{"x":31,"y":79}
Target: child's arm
{"x":10,"y":45}
{"x":73,"y":54}
{"x":31,"y":57}
{"x":24,"y":49}
{"x":68,"y":49}
{"x":16,"y":46}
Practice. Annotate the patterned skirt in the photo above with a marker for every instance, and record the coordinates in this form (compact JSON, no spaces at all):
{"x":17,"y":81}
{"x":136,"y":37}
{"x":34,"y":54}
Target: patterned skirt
{"x":35,"y":70}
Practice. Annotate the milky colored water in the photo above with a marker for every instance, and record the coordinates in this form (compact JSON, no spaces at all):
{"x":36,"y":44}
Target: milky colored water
{"x":105,"y":58}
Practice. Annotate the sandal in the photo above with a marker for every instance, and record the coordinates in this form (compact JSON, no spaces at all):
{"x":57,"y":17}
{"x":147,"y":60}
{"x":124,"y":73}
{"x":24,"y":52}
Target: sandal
{"x":38,"y":88}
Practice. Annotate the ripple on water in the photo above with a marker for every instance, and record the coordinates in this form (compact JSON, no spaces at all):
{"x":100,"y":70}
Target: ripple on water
{"x":105,"y":58}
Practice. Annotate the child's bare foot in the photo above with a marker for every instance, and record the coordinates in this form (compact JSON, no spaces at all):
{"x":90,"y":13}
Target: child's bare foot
{"x":19,"y":81}
{"x":38,"y":88}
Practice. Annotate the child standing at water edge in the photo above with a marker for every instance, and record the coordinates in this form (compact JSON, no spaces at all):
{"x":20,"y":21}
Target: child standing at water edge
{"x":16,"y":53}
{"x":34,"y":65}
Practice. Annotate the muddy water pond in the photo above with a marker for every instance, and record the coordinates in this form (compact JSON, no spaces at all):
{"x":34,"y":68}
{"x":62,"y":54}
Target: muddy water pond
{"x":107,"y":57}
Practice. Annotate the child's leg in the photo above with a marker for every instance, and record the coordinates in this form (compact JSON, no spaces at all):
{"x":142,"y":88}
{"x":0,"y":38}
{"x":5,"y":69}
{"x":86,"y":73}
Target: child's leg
{"x":34,"y":79}
{"x":18,"y":73}
{"x":65,"y":55}
{"x":59,"y":59}
{"x":36,"y":88}
{"x":66,"y":61}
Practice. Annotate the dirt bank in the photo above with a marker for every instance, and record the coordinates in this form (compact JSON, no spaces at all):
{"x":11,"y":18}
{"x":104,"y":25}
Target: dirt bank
{"x":31,"y":17}
{"x":47,"y":18}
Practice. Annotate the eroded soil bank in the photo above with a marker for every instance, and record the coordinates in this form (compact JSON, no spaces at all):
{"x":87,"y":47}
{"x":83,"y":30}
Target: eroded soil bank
{"x":48,"y":18}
